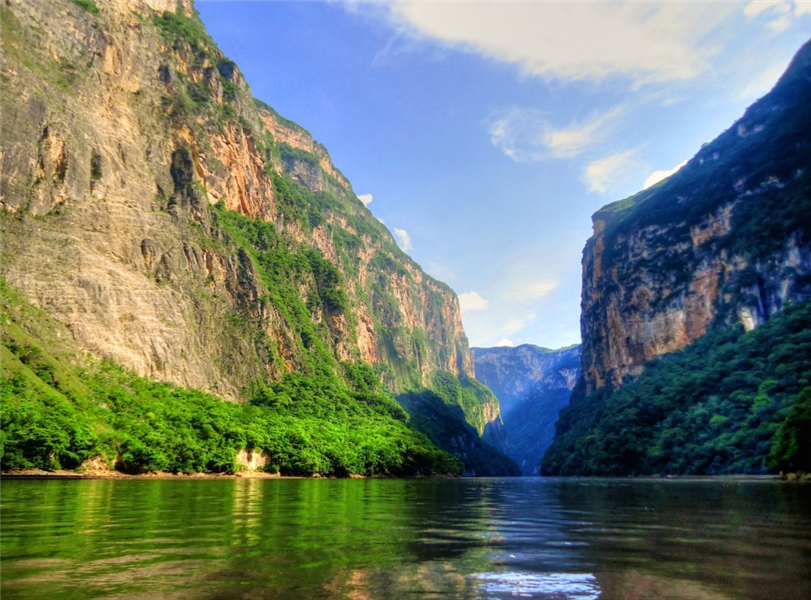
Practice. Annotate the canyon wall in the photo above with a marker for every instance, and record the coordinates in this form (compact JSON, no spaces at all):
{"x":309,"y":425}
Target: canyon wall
{"x":724,"y":240}
{"x":695,"y":310}
{"x":182,"y":229}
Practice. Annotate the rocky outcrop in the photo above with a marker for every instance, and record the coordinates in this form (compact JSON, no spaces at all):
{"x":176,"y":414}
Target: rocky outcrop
{"x":532,"y":384}
{"x":726,"y":239}
{"x":123,"y":129}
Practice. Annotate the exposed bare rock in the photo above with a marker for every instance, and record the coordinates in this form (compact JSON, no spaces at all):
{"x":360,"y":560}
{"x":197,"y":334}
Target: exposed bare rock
{"x":119,"y":135}
{"x":726,"y":239}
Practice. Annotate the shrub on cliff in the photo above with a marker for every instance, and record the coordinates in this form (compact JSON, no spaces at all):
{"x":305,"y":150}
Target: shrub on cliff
{"x":731,"y":402}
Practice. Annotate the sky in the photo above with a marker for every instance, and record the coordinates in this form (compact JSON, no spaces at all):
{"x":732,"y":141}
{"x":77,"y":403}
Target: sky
{"x":486,"y":134}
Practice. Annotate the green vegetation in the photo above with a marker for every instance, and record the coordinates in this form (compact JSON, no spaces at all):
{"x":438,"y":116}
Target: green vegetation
{"x":295,"y":154}
{"x":285,"y":269}
{"x":446,"y":426}
{"x":58,"y":410}
{"x":469,"y":394}
{"x":760,"y":163}
{"x":89,"y":5}
{"x":187,"y":100}
{"x":731,"y":402}
{"x":177,"y":26}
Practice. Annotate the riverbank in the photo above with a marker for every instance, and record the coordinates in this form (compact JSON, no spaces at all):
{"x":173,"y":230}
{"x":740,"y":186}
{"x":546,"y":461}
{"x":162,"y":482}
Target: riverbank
{"x":111,"y":474}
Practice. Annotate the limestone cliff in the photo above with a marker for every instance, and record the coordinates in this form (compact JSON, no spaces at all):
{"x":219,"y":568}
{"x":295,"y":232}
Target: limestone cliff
{"x":532,"y":384}
{"x":727,"y":238}
{"x":696,"y":310}
{"x":182,"y":229}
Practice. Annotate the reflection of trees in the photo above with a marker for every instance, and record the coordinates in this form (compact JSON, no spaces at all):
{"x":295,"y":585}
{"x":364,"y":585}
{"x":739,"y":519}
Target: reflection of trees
{"x":465,"y":528}
{"x":390,"y":538}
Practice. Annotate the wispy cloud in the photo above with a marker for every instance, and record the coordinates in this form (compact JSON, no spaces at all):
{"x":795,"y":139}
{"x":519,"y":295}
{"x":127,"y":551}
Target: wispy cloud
{"x":505,"y":342}
{"x":612,"y":172}
{"x":572,"y":140}
{"x":526,"y":136}
{"x":470,"y":301}
{"x":756,"y":7}
{"x":439,"y":271}
{"x":516,"y":324}
{"x":641,"y":42}
{"x":781,"y":14}
{"x":403,"y":239}
{"x":658,"y":176}
{"x":530,"y":290}
{"x":366,"y":199}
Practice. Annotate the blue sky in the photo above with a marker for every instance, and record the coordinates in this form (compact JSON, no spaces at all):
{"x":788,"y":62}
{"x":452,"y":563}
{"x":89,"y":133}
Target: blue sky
{"x":486,"y":134}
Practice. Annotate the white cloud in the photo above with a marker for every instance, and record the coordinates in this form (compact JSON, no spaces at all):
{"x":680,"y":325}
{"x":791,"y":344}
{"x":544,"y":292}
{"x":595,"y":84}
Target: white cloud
{"x":642,"y":42}
{"x":526,"y":136}
{"x":470,"y":301}
{"x":381,"y":220}
{"x":403,"y":239}
{"x":780,"y":24}
{"x":505,"y":342}
{"x":782,"y":13}
{"x":516,"y":324}
{"x":611,"y":172}
{"x":366,"y":199}
{"x":757,"y":7}
{"x":658,"y":176}
{"x":529,"y":291}
{"x":572,"y":140}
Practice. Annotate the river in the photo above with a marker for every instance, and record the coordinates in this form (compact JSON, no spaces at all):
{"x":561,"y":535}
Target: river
{"x":386,"y":538}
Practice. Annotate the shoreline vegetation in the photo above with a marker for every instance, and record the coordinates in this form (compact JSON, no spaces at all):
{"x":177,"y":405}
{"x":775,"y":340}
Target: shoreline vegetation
{"x":64,"y":411}
{"x":153,"y":475}
{"x":798,"y":477}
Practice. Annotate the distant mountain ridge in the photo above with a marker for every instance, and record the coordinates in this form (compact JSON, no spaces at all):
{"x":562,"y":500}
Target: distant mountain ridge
{"x":532,"y":384}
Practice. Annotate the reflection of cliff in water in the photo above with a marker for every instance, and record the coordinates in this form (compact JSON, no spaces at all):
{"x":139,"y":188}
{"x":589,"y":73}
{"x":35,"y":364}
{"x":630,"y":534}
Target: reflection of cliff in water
{"x":465,"y":532}
{"x":576,"y":539}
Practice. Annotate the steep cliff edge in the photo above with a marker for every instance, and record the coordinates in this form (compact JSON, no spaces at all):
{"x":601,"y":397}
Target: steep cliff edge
{"x":695,"y":309}
{"x":532,"y":385}
{"x":176,"y":226}
{"x":724,"y":239}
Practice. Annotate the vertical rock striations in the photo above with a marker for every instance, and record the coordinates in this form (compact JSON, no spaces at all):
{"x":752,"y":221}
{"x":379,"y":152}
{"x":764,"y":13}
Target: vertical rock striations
{"x":715,"y":263}
{"x":182,"y":229}
{"x":725,"y":239}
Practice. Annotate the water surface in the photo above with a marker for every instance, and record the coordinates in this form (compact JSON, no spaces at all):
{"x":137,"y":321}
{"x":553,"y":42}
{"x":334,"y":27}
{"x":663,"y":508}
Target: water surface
{"x":361,"y":539}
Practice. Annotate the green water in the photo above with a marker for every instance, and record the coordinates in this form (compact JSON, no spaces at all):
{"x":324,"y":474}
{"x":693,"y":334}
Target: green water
{"x":359,"y":539}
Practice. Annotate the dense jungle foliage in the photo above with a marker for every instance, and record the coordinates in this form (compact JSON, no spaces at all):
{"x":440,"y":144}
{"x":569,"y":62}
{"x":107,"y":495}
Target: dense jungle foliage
{"x":59,"y":409}
{"x":443,"y":421}
{"x":731,"y":402}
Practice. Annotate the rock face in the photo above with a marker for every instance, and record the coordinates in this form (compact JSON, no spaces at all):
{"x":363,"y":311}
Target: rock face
{"x":725,"y":239}
{"x":532,"y":384}
{"x":128,"y":141}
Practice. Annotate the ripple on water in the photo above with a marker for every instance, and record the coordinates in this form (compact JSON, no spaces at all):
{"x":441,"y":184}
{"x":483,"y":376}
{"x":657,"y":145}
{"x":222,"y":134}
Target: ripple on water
{"x":512,"y":584}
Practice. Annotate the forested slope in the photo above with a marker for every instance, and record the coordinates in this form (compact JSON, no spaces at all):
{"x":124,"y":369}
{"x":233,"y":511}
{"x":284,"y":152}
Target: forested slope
{"x":172,"y":225}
